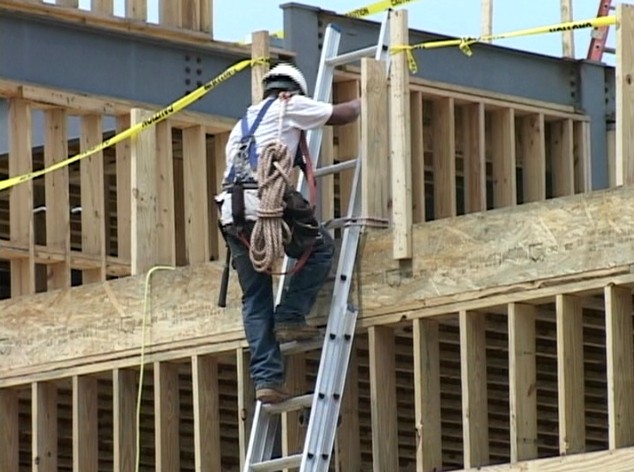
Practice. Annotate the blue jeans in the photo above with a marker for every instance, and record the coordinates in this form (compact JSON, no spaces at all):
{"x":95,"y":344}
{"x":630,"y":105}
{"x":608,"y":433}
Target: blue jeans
{"x":258,"y":312}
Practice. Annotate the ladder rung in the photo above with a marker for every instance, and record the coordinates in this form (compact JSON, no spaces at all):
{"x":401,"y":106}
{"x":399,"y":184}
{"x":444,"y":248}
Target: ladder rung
{"x":278,"y":464}
{"x":294,"y":404}
{"x":334,"y":168}
{"x":609,"y":50}
{"x":352,"y":56}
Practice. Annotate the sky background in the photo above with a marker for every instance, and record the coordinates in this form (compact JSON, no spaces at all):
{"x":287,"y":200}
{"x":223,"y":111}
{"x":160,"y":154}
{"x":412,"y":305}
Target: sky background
{"x":450,"y":17}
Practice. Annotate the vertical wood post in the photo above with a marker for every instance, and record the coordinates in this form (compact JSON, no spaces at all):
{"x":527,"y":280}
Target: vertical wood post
{"x":444,"y":130}
{"x":136,"y":9}
{"x":620,"y":366}
{"x":102,"y":6}
{"x":562,"y":158}
{"x":218,"y":251}
{"x":582,"y":157}
{"x":503,"y":137}
{"x":374,"y":139}
{"x":57,"y":196}
{"x":427,"y":395}
{"x":522,"y":382}
{"x":93,"y":201}
{"x":44,"y":426}
{"x":164,"y":191}
{"x":207,"y":449}
{"x":486,"y":18}
{"x":568,"y":37}
{"x":144,"y":159}
{"x":21,"y":197}
{"x":9,"y":431}
{"x":124,"y":394}
{"x":348,"y":440}
{"x":167,"y":415}
{"x":418,"y":156}
{"x":259,"y":49}
{"x":474,"y":149}
{"x":383,"y":399}
{"x":533,"y":148}
{"x":475,"y":413}
{"x":625,"y":94}
{"x":400,"y":146}
{"x":85,"y":427}
{"x":570,"y":375}
{"x":348,"y":141}
{"x":124,"y":192}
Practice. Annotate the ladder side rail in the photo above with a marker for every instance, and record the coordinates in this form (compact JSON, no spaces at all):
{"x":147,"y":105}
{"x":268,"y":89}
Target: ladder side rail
{"x":319,"y":437}
{"x":599,"y":36}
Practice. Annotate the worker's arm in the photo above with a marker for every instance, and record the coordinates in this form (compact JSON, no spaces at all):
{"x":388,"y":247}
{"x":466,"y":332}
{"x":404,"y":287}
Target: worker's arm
{"x":346,"y":112}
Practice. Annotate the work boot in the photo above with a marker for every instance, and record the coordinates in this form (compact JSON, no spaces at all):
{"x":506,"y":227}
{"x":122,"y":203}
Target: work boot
{"x":288,"y":332}
{"x":271,"y":395}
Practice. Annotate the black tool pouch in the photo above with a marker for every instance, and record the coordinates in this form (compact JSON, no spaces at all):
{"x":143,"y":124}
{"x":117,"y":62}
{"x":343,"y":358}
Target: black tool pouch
{"x":300,"y":218}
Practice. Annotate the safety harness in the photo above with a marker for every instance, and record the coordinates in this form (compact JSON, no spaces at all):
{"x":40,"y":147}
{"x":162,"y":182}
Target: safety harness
{"x":300,"y":229}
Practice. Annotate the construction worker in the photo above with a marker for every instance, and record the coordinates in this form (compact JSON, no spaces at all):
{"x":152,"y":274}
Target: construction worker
{"x":283,"y":114}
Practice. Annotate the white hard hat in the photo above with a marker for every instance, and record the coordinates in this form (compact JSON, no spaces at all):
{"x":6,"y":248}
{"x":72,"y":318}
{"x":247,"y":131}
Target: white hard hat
{"x":284,"y":71}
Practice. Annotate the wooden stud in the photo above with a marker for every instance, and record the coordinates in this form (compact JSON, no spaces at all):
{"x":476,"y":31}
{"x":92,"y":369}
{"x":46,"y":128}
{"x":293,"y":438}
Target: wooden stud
{"x":418,"y":156}
{"x":68,"y":3}
{"x":374,"y":139}
{"x":206,"y":392}
{"x":246,"y":402}
{"x":143,"y":173}
{"x":383,"y":399}
{"x":562,"y":157}
{"x":582,"y":157}
{"x":190,"y":14}
{"x":427,"y":395}
{"x":292,"y":432}
{"x":259,"y":49}
{"x":164,"y":191}
{"x":219,"y":250}
{"x":206,"y":16}
{"x":400,"y":145}
{"x":102,"y":6}
{"x":136,"y":9}
{"x":85,"y":427}
{"x":620,"y":366}
{"x":486,"y":12}
{"x":93,"y":223}
{"x":473,"y":146}
{"x":533,"y":148}
{"x":21,"y":197}
{"x":348,"y":137}
{"x":473,"y":365}
{"x":9,"y":431}
{"x":503,"y":157}
{"x":522,"y":381}
{"x":170,"y":13}
{"x":57,"y":196}
{"x":167,"y":415}
{"x":195,"y":187}
{"x":44,"y":426}
{"x":124,"y":192}
{"x":568,"y":38}
{"x":124,"y":393}
{"x":348,"y":446}
{"x":624,"y":94}
{"x":570,"y":375}
{"x":443,"y":124}
{"x":611,"y":155}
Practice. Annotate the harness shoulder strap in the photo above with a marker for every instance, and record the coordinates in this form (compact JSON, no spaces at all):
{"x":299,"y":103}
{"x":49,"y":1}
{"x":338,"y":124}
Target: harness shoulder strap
{"x":247,"y":133}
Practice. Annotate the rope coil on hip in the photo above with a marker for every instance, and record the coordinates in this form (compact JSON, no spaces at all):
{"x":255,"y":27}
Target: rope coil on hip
{"x":270,"y":231}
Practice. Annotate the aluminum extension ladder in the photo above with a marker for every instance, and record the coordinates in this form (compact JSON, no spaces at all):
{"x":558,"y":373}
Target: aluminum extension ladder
{"x":337,"y":345}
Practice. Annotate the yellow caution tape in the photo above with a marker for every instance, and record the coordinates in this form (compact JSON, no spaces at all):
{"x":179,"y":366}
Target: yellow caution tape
{"x":157,"y":117}
{"x":368,"y":10}
{"x":465,"y":42}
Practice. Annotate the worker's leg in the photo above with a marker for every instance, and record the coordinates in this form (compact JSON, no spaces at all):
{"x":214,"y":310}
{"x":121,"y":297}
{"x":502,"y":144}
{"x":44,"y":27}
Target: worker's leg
{"x":305,"y":284}
{"x":267,"y":369}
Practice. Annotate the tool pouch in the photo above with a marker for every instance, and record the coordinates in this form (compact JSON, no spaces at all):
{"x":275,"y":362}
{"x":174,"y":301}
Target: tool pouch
{"x":299,"y":215}
{"x":237,"y":205}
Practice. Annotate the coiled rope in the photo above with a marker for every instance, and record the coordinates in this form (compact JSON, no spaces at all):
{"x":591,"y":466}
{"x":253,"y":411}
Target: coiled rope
{"x":274,"y":178}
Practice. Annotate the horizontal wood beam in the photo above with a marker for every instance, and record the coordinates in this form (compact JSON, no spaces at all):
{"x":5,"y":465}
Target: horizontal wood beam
{"x":620,"y":460}
{"x":457,"y":264}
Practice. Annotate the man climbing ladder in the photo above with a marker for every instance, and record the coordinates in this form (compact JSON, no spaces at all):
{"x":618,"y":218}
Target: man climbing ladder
{"x":263,"y":146}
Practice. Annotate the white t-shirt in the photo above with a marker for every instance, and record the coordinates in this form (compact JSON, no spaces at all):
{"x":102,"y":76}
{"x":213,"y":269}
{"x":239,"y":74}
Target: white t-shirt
{"x":302,"y":113}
